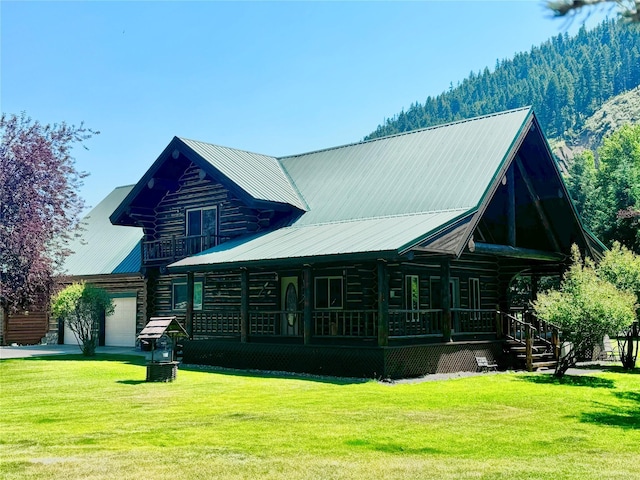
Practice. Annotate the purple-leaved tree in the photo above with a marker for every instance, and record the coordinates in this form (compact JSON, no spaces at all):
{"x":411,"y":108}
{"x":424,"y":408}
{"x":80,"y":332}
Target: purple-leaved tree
{"x":39,"y":206}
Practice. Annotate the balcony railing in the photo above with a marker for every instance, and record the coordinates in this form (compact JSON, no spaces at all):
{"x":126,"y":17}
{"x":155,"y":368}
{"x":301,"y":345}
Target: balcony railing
{"x":412,"y":323}
{"x":177,"y":247}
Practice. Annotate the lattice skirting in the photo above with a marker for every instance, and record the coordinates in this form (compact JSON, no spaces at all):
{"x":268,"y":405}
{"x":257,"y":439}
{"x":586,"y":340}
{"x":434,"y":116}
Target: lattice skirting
{"x":366,"y":362}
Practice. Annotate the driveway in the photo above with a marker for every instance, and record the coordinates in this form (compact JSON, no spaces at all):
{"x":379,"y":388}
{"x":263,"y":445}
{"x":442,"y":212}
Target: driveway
{"x":25,"y":351}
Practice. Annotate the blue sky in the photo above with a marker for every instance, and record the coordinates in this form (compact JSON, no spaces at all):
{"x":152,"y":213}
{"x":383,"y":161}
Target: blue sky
{"x":271,"y":77}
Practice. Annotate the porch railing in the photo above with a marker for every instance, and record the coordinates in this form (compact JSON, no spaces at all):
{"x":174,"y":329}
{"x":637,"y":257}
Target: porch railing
{"x":412,"y":323}
{"x":177,"y":247}
{"x":275,"y":323}
{"x":467,"y":320}
{"x":217,"y":324}
{"x":345,"y":323}
{"x":363,"y":323}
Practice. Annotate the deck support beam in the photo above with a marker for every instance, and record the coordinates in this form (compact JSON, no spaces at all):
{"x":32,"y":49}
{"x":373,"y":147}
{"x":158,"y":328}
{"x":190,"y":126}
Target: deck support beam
{"x":383,"y":304}
{"x":244,"y":305}
{"x":307,"y":312}
{"x":189,"y":313}
{"x":517,"y":252}
{"x":445,"y":280}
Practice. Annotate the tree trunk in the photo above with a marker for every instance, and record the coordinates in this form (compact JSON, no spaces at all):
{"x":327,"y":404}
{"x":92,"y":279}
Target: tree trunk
{"x":629,"y":348}
{"x":565,"y":362}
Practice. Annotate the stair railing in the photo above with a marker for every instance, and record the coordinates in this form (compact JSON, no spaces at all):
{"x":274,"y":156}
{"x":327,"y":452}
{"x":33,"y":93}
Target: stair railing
{"x":527,"y":331}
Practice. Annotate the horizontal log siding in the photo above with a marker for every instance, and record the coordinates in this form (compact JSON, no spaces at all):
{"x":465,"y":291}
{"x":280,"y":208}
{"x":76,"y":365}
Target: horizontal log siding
{"x":483,"y":267}
{"x":234,"y":218}
{"x":397,"y":287}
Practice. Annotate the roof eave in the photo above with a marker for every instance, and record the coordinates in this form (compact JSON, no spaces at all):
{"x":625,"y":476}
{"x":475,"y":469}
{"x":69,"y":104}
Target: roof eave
{"x":387,"y":255}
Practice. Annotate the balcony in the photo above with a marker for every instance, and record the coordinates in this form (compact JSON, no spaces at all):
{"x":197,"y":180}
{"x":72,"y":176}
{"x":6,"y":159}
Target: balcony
{"x":171,"y":249}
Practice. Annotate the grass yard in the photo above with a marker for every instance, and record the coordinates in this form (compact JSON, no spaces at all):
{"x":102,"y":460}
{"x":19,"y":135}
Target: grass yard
{"x":71,"y":418}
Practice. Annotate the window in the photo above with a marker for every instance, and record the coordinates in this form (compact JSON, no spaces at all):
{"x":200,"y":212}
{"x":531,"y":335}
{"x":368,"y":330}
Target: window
{"x":179,"y":295}
{"x":474,"y":293}
{"x":201,"y":229}
{"x":328,"y":292}
{"x":412,"y":293}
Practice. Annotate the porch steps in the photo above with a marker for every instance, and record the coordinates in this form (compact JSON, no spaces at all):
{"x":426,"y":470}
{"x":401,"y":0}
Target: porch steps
{"x":541,"y":357}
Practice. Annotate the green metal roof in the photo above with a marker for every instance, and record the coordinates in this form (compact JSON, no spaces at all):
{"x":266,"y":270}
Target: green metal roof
{"x":441,"y":168}
{"x":383,"y":195}
{"x":261,"y":176}
{"x":104,"y":248}
{"x":383,"y":234}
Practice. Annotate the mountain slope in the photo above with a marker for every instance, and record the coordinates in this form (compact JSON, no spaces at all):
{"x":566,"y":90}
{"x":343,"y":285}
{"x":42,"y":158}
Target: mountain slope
{"x":615,"y":112}
{"x":566,"y":79}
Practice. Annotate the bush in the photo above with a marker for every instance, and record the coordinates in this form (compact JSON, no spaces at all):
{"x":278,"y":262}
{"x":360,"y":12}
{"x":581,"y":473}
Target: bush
{"x":585,"y":308}
{"x":80,"y":306}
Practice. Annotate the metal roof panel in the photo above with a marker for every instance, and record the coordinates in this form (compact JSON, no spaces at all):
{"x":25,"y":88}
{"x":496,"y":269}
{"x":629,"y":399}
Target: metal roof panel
{"x":435,"y":169}
{"x":261,"y":176}
{"x":104,"y":248}
{"x":358,"y":236}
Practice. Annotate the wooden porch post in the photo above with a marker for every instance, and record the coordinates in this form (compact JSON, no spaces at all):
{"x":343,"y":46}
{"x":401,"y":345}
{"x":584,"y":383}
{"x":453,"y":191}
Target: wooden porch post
{"x":445,"y":280}
{"x":244,"y":305}
{"x":529,"y":348}
{"x":534,"y":287}
{"x":511,"y":208}
{"x":383,"y":304}
{"x":189,"y":314}
{"x":308,"y":301}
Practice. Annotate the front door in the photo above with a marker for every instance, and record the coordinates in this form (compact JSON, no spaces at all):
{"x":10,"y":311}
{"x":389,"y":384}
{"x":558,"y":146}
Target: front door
{"x":290,"y":323}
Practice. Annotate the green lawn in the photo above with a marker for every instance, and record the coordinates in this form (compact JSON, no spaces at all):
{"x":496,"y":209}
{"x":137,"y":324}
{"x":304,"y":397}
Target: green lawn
{"x":71,"y":418}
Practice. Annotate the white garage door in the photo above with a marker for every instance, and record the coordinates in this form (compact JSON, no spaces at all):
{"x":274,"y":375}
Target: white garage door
{"x":69,"y":336}
{"x":120,"y":328}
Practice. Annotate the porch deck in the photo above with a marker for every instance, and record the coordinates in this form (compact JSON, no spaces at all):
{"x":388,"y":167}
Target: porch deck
{"x":345,"y":343}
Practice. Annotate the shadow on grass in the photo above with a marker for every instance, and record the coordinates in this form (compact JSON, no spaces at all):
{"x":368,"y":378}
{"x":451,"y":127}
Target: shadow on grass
{"x":131,"y":382}
{"x":569,"y":380}
{"x":272,"y":374}
{"x":625,"y":416}
{"x":609,"y":369}
{"x":390,"y":447}
{"x":100,"y":357}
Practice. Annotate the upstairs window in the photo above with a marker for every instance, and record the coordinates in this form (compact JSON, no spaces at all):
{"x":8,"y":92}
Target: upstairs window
{"x":202,"y":229}
{"x":329,"y":292}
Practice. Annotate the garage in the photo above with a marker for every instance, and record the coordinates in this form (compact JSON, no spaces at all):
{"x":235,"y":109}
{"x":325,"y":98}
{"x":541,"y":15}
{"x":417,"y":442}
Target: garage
{"x":119,"y":328}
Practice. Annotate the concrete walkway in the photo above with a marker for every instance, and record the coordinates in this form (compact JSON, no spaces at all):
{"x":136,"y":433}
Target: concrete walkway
{"x":26,"y":351}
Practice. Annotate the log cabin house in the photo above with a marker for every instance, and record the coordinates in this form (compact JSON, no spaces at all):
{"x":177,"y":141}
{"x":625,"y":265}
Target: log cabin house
{"x":385,"y":258}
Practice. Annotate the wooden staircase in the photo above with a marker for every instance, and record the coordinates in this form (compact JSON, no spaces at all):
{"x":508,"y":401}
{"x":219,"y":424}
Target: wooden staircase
{"x":530,"y":343}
